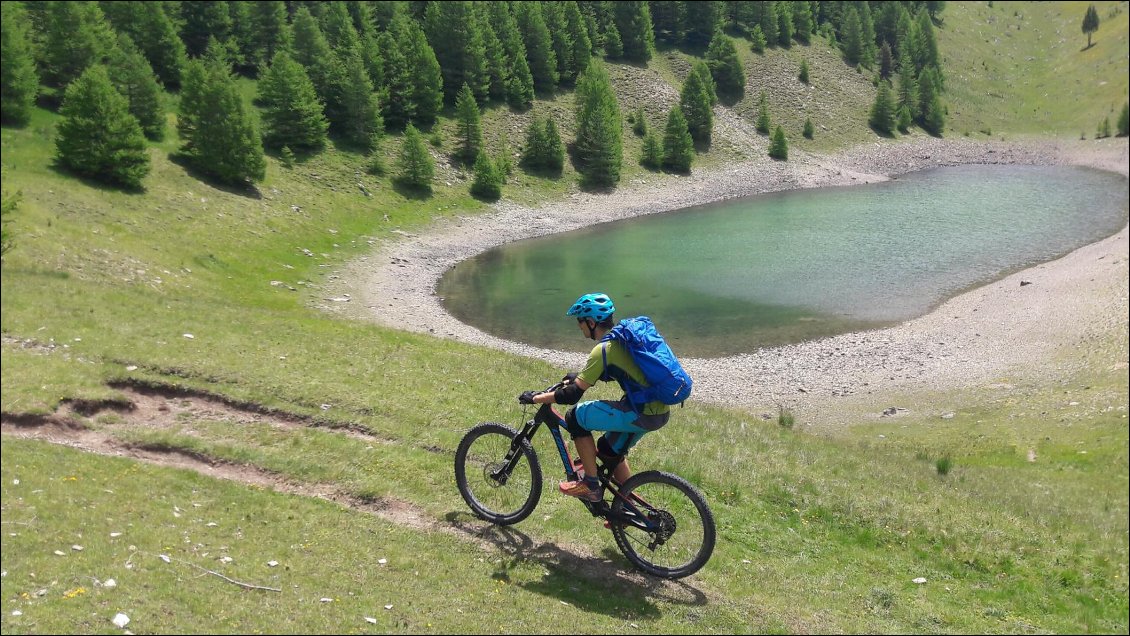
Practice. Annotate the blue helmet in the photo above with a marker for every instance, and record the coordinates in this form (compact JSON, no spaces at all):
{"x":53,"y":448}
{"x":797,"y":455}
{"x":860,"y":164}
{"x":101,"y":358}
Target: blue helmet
{"x":596,"y":306}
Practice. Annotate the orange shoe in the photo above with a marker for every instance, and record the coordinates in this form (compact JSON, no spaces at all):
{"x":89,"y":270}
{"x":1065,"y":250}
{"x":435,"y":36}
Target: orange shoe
{"x":582,"y":490}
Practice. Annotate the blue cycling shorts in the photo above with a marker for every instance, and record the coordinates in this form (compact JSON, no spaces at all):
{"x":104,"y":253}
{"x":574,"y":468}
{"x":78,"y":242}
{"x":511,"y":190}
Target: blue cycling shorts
{"x":622,"y":426}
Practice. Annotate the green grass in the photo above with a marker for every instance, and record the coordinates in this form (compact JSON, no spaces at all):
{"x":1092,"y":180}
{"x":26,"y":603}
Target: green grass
{"x":817,"y":533}
{"x":1023,"y":67}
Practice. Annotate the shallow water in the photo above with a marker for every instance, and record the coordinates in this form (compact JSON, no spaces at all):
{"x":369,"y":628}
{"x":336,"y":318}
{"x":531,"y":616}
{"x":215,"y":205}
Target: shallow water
{"x":731,"y":277}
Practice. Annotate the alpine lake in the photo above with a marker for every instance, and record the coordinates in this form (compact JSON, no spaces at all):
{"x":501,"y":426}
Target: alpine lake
{"x":731,"y":277}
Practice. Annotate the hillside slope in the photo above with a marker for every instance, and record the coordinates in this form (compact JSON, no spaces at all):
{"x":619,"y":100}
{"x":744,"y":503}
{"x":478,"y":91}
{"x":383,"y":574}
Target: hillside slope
{"x":1024,"y":67}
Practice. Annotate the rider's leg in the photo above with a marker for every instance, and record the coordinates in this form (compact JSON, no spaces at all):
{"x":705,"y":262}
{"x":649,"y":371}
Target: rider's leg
{"x":581,"y":421}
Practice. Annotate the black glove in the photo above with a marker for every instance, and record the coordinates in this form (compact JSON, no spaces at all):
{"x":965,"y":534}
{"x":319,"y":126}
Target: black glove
{"x":569,"y":378}
{"x":527,"y":397}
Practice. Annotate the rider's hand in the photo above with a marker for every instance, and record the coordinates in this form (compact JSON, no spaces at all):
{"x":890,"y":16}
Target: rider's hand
{"x":569,"y":378}
{"x":527,"y":397}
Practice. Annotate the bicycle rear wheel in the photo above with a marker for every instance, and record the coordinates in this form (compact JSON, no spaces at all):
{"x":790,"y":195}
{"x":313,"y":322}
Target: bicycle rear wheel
{"x":663,"y":525}
{"x":496,"y":490}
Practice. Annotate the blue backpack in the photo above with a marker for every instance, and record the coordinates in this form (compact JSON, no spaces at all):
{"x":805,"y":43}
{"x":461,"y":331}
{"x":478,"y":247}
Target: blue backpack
{"x":670,"y":384}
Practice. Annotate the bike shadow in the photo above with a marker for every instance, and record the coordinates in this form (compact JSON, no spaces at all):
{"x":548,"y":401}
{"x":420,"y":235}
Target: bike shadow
{"x":607,"y":583}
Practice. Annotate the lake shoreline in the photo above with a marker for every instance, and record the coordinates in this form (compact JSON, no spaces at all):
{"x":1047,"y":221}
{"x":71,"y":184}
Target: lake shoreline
{"x":970,"y":340}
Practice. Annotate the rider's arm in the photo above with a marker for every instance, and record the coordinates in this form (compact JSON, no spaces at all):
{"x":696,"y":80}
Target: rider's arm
{"x":550,"y":397}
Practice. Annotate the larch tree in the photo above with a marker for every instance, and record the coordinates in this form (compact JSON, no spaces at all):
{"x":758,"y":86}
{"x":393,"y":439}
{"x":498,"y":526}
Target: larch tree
{"x":98,"y":137}
{"x":293,"y":115}
{"x":415,"y":166}
{"x":131,"y":74}
{"x":725,"y":67}
{"x":1090,"y":23}
{"x":678,"y":146}
{"x":694,"y":103}
{"x":469,"y":126}
{"x":598,"y":144}
{"x":19,"y":82}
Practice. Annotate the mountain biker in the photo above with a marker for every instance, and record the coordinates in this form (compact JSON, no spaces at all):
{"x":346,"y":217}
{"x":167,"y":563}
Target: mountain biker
{"x":622,"y":425}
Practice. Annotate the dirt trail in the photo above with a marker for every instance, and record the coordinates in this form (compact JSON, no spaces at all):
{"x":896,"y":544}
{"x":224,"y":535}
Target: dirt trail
{"x":154,"y":408}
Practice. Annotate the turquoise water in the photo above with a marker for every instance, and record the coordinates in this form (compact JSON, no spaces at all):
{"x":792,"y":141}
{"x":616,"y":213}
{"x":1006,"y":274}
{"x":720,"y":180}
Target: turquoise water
{"x":731,"y":277}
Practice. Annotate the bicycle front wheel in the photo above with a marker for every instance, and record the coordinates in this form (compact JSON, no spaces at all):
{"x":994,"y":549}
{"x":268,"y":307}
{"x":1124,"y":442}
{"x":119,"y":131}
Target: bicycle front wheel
{"x":501,"y":490}
{"x":663,"y":525}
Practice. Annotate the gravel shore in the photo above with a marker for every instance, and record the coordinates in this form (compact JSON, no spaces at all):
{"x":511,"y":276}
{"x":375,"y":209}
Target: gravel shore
{"x":1020,"y":322}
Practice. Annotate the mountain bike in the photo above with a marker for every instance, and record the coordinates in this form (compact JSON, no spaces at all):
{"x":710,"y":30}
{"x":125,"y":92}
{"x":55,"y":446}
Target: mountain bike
{"x":660,"y":522}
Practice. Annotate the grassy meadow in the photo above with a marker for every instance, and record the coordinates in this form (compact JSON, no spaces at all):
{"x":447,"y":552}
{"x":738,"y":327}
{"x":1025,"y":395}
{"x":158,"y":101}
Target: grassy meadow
{"x":333,"y":507}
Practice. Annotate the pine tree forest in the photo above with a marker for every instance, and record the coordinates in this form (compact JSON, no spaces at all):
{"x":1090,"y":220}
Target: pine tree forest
{"x":355,"y":72}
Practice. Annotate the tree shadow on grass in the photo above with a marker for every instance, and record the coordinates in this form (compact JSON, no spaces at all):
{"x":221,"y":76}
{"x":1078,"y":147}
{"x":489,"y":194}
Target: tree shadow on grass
{"x":94,"y":182}
{"x":411,"y":191}
{"x":248,"y":190}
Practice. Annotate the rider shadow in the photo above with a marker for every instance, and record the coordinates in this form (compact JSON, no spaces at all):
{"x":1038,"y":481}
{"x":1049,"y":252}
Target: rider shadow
{"x":607,"y":584}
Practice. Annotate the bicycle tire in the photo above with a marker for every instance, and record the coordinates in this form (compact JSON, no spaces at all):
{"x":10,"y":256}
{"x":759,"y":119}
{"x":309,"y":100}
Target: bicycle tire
{"x":682,"y":512}
{"x":480,"y":453}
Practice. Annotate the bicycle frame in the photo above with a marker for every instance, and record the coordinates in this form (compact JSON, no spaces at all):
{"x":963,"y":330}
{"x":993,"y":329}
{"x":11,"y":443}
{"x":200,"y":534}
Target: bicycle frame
{"x":632,"y":515}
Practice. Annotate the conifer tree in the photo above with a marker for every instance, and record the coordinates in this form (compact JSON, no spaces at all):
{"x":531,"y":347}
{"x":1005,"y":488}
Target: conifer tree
{"x":695,"y":107}
{"x":904,"y":119}
{"x":927,"y":90}
{"x":802,"y":21}
{"x":763,"y":114}
{"x":907,"y":85}
{"x":203,"y":21}
{"x":779,"y":146}
{"x":725,"y":67}
{"x":803,"y":74}
{"x":1124,"y":120}
{"x":886,"y":63}
{"x":453,"y":33}
{"x":757,"y":39}
{"x":678,"y":146}
{"x":97,"y":136}
{"x":784,"y":24}
{"x":882,"y":118}
{"x":809,"y":129}
{"x":701,"y":20}
{"x":867,"y":33}
{"x":639,"y":123}
{"x":539,"y":45}
{"x":652,"y":155}
{"x":312,"y":50}
{"x":581,"y":51}
{"x":269,"y":31}
{"x":360,"y":119}
{"x":554,"y":15}
{"x":934,"y":119}
{"x":132,"y":76}
{"x":497,"y":66}
{"x":415,"y":167}
{"x":926,"y":48}
{"x":519,"y":81}
{"x":293,"y":115}
{"x":667,"y":18}
{"x":853,"y":44}
{"x":152,"y":30}
{"x":19,"y":82}
{"x":425,"y":73}
{"x":598,"y":146}
{"x":218,"y":130}
{"x":554,"y":158}
{"x":535,"y":151}
{"x":769,"y":25}
{"x":613,"y":45}
{"x":1090,"y":23}
{"x":337,"y":26}
{"x":488,"y":179}
{"x":469,"y":126}
{"x":76,"y":35}
{"x":633,"y":23}
{"x":703,"y":72}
